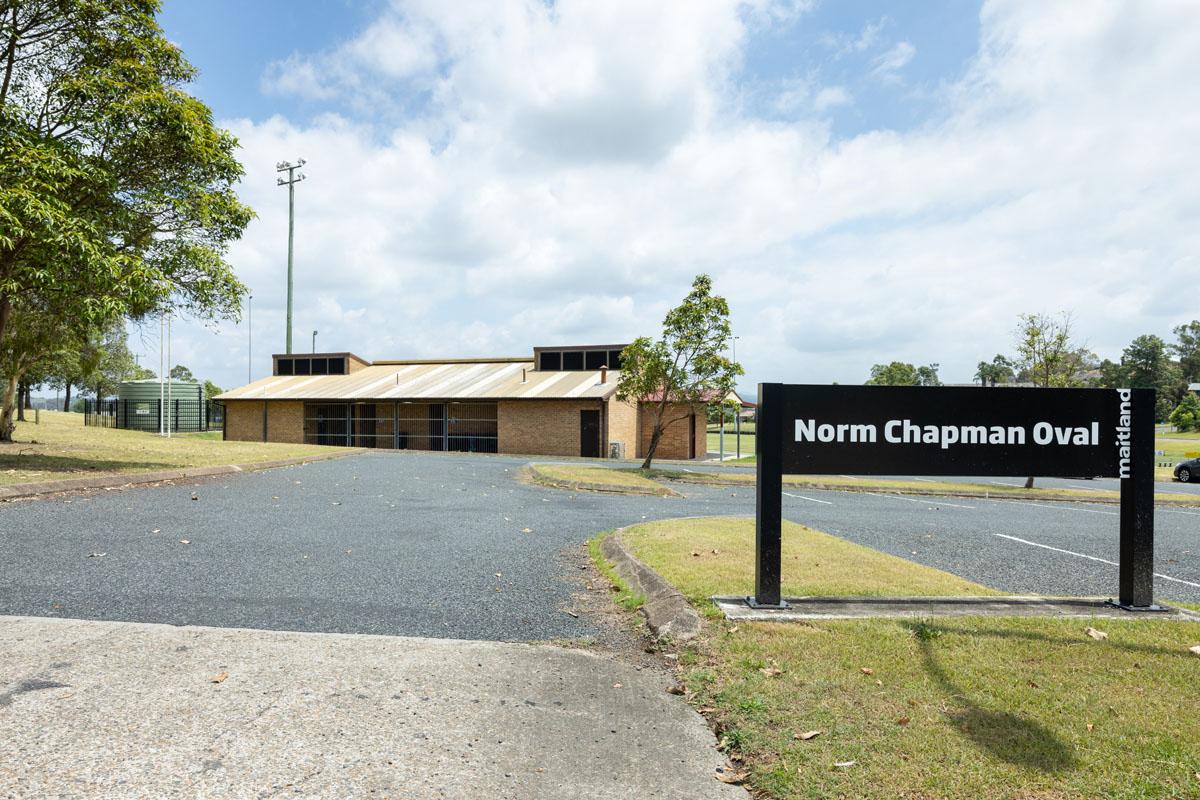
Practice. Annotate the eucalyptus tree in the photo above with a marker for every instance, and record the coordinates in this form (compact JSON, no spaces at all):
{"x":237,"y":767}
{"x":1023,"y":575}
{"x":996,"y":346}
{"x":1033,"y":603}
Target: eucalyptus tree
{"x":685,"y":367}
{"x":116,"y":188}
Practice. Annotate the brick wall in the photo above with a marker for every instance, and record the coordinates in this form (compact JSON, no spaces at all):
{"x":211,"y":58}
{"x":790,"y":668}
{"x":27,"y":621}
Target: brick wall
{"x":541,"y":427}
{"x":622,"y":426}
{"x":675,"y":441}
{"x":285,"y":421}
{"x":243,"y":420}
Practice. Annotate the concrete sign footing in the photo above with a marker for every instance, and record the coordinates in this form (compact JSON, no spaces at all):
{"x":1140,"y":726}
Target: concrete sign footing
{"x":832,"y":608}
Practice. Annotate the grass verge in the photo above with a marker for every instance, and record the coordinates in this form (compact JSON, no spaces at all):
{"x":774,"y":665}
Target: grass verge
{"x":626,"y":598}
{"x":66,"y":449}
{"x":596,"y":479}
{"x":954,"y":708}
{"x":943,"y":488}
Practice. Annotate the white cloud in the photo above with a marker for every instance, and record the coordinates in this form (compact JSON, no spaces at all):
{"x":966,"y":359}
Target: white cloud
{"x":843,"y":44}
{"x":831,"y":97}
{"x":580,"y":163}
{"x":887,"y":65}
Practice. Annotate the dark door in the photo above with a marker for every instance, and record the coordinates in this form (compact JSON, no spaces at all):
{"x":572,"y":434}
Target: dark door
{"x":589,"y":434}
{"x":692,"y":437}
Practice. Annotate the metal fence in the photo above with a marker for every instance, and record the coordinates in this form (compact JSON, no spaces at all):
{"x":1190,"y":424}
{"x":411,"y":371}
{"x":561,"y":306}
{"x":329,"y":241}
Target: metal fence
{"x":184,"y":415}
{"x":463,"y":427}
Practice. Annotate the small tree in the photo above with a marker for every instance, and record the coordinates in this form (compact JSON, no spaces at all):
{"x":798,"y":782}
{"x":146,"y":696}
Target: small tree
{"x":1187,"y":349}
{"x":181,"y":373}
{"x":900,"y":373}
{"x":998,"y":370}
{"x":1186,"y":416}
{"x":1046,"y":355}
{"x":687,"y":366}
{"x":211,"y":390}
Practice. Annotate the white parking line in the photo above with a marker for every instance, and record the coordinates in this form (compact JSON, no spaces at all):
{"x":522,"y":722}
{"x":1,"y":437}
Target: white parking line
{"x":1086,"y":488}
{"x":927,"y":480}
{"x":1177,"y":511}
{"x":1002,"y":483}
{"x":809,"y":499}
{"x":930,"y":502}
{"x":851,"y":477}
{"x":1090,"y":558}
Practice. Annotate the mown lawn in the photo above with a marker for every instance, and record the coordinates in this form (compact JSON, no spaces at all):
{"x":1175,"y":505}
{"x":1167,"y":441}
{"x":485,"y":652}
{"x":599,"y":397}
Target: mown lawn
{"x":60,"y":447}
{"x":849,"y":483}
{"x":600,"y":478}
{"x":968,"y":707}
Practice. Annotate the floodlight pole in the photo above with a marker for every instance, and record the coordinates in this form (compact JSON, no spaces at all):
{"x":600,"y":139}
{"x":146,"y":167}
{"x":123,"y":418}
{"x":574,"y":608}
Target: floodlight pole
{"x":314,"y":344}
{"x":292,"y":180}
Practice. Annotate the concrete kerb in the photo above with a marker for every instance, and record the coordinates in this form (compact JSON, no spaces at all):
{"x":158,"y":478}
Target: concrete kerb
{"x":667,"y":611}
{"x":122,"y":480}
{"x":865,"y":607}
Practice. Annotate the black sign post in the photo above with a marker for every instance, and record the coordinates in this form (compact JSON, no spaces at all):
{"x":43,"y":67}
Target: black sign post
{"x":908,"y":430}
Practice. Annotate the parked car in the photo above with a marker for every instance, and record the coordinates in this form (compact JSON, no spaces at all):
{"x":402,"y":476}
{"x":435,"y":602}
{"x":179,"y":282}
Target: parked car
{"x":1188,"y":470}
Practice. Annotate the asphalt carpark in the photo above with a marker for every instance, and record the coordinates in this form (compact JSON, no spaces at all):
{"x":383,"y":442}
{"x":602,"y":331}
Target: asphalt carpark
{"x":456,"y":546}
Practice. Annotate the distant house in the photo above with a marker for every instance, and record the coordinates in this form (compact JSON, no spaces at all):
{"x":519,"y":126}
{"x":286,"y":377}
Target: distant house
{"x":1194,"y":388}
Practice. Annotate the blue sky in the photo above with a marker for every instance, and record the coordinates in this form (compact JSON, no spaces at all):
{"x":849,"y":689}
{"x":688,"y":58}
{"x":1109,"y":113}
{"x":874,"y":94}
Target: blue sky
{"x":233,"y":42}
{"x":865,"y":181}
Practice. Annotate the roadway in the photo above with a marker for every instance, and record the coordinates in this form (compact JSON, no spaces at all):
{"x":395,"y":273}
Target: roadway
{"x":455,"y":546}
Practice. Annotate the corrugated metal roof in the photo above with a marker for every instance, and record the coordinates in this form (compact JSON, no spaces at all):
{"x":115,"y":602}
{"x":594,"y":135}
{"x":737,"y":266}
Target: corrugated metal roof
{"x":485,"y":380}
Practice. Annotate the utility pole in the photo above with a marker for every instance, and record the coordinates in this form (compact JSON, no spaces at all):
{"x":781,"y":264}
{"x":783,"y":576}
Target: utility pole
{"x":292,"y":179}
{"x":314,"y":349}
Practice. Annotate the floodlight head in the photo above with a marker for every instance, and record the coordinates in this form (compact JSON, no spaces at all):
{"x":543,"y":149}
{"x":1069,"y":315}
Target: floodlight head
{"x":280,"y":182}
{"x":280,"y":165}
{"x":301,"y":176}
{"x":301,"y":162}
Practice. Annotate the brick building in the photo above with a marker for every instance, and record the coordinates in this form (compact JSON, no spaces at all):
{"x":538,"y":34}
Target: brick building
{"x":562,"y":402}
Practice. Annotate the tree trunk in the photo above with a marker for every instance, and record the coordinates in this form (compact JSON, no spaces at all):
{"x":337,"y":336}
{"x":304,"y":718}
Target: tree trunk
{"x":22,"y":389}
{"x":655,"y":435}
{"x":1029,"y":483}
{"x":6,"y":408}
{"x":67,"y":398}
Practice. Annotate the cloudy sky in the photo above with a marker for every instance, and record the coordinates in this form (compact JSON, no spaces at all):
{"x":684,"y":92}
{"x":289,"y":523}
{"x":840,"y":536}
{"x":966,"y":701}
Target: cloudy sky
{"x":866,"y":181}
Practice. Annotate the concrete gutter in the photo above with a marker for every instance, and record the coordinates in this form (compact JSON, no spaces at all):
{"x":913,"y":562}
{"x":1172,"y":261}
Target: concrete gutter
{"x":126,"y":479}
{"x":667,"y":611}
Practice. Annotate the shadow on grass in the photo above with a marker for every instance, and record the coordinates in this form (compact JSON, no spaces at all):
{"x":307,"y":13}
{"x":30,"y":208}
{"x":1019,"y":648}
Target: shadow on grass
{"x":67,"y":464}
{"x":1007,"y":736}
{"x":1034,"y":636}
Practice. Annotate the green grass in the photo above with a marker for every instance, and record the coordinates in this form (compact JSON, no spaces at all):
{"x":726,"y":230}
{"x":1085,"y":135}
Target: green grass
{"x":1175,"y":449}
{"x":595,"y":478}
{"x":714,"y":556}
{"x":66,"y":449}
{"x":839,"y":482}
{"x":626,"y":597}
{"x":954,"y":708}
{"x":714,"y":442}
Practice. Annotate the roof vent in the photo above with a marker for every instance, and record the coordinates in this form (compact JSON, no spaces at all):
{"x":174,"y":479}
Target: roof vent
{"x":524,"y":378}
{"x":604,"y":374}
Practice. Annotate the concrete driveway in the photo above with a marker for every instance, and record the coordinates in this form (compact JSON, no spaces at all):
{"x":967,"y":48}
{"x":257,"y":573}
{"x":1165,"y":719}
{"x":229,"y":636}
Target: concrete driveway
{"x":116,"y":710}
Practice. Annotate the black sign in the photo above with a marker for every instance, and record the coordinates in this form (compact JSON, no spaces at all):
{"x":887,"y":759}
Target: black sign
{"x":908,"y":430}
